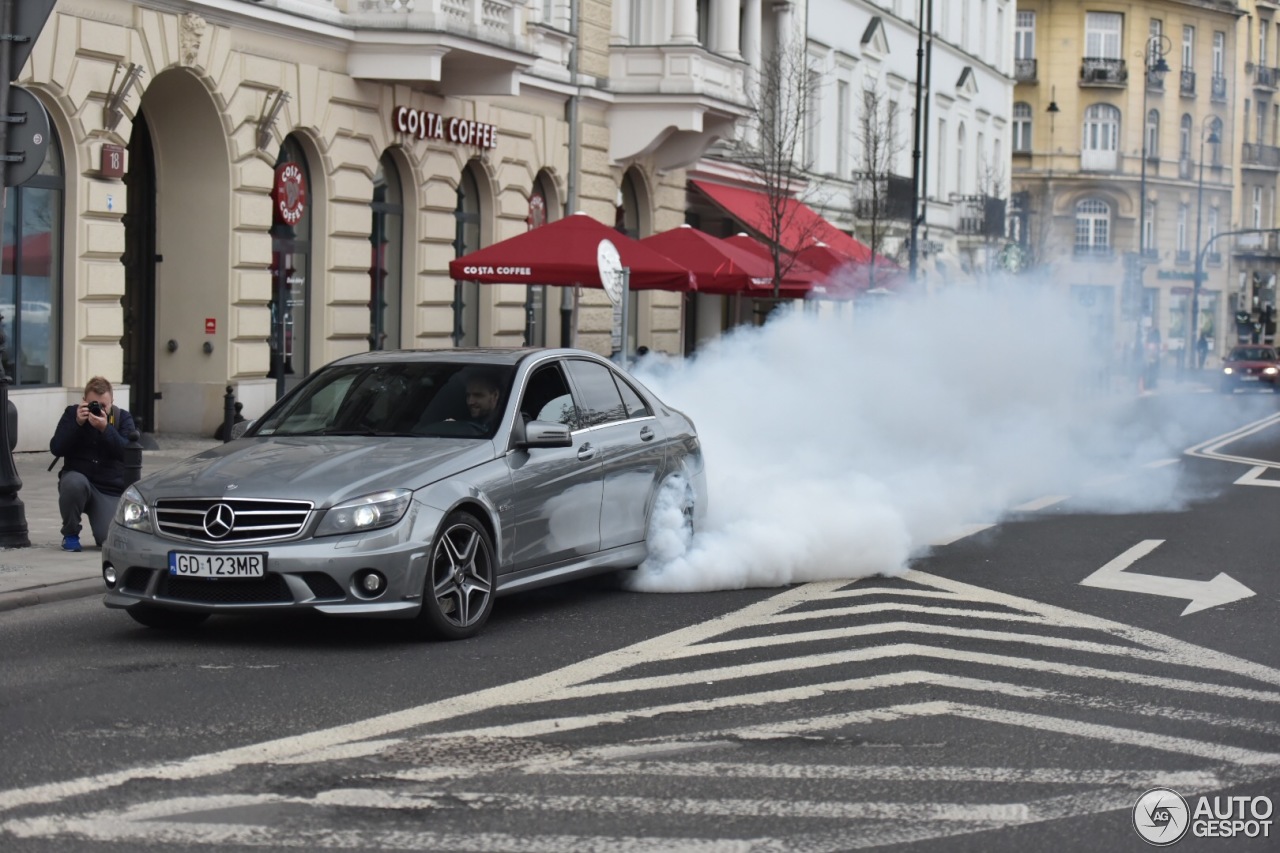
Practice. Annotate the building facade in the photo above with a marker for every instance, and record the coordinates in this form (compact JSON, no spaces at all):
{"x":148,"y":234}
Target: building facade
{"x":239,"y":192}
{"x":1128,"y":157}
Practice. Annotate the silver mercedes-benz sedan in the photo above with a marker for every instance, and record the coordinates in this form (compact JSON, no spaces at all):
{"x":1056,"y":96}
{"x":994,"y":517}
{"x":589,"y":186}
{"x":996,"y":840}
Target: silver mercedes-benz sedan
{"x":413,"y":484}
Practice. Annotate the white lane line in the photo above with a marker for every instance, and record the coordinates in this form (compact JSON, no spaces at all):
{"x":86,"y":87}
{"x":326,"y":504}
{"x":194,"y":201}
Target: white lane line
{"x":894,"y":606}
{"x":1115,"y":734}
{"x":536,"y":688}
{"x":1198,"y":780}
{"x":1254,"y":477}
{"x":343,"y":752}
{"x":1174,"y":651}
{"x":1160,"y":463}
{"x":963,"y":533}
{"x":1210,"y":449}
{"x":1040,"y":503}
{"x":900,"y":627}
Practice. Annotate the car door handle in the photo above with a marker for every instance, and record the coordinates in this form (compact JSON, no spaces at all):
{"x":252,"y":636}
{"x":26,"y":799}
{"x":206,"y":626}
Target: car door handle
{"x":586,"y":452}
{"x":646,"y":433}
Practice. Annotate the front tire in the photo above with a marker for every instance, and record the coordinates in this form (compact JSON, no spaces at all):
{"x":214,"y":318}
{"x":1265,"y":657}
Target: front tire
{"x":164,"y":619}
{"x":457,"y":597}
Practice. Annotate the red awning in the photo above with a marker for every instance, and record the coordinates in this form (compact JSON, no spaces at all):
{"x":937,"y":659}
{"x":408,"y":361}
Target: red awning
{"x":845,"y":276}
{"x":720,"y":267}
{"x":801,"y":225}
{"x":799,"y":279}
{"x":564,"y":253}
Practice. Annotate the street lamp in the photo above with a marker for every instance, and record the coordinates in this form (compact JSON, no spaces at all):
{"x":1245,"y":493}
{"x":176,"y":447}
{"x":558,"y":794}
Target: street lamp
{"x":1210,"y":123}
{"x":1154,"y":68}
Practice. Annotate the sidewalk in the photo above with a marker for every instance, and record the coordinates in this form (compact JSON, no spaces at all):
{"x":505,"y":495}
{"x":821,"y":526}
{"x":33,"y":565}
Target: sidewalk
{"x":44,"y":572}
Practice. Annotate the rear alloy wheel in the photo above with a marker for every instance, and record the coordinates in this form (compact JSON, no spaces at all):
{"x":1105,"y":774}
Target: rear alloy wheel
{"x":165,"y":619}
{"x":458,"y":597}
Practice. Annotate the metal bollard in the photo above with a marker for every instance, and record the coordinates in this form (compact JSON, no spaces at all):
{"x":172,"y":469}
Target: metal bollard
{"x":132,"y":460}
{"x":228,"y":414}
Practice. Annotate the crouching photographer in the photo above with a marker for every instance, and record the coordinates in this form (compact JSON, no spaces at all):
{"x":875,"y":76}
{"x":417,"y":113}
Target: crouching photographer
{"x":91,"y":438}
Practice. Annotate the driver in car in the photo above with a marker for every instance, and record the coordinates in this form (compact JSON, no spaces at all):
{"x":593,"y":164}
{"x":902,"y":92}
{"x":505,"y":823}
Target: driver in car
{"x":483,"y":392}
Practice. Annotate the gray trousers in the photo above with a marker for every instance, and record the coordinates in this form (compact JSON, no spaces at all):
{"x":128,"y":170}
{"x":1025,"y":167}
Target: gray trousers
{"x":76,"y":497}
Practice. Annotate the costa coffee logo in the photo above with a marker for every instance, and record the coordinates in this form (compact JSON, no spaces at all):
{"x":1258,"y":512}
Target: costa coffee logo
{"x":289,"y":193}
{"x":459,"y":131}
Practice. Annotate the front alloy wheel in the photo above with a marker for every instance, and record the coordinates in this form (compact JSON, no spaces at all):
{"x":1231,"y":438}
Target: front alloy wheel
{"x":459,"y":589}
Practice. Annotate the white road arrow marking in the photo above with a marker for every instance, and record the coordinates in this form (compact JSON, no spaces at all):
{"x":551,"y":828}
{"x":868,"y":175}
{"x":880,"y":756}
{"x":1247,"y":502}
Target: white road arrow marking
{"x":1222,"y":589}
{"x":1254,"y":478}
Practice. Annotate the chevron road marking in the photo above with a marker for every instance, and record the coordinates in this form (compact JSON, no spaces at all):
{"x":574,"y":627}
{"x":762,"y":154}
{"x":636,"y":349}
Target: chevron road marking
{"x":1210,"y":449}
{"x":1253,"y":477}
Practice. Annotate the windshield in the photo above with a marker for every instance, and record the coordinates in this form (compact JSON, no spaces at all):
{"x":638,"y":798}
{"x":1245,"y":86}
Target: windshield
{"x":1252,"y":354}
{"x":409,"y":399}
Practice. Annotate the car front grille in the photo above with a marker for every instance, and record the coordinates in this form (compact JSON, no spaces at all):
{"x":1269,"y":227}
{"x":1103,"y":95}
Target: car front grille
{"x":225,"y":520}
{"x":270,"y":589}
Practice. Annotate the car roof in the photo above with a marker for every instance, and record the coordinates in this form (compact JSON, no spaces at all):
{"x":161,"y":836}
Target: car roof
{"x":464,"y":355}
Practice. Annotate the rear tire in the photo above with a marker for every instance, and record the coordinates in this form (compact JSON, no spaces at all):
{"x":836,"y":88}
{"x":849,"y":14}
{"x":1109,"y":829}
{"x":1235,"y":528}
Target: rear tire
{"x":457,"y":596}
{"x":164,"y":619}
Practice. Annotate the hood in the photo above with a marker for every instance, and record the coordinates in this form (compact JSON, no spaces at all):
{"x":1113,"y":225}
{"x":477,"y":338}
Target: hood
{"x":324,"y":470}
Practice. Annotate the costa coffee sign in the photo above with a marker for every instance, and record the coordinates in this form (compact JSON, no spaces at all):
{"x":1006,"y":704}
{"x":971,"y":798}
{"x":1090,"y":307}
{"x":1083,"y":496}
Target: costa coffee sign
{"x":289,"y":193}
{"x":459,"y":131}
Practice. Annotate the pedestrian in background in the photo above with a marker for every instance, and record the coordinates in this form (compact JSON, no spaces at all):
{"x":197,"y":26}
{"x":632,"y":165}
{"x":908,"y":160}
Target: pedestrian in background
{"x":91,"y":438}
{"x":1202,"y":350}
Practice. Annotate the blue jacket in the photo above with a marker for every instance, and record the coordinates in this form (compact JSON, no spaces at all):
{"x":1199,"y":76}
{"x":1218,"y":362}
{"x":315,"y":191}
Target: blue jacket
{"x":97,"y":455}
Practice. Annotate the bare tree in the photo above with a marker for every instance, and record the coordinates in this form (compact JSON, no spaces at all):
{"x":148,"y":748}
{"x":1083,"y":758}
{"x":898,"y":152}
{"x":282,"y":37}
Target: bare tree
{"x":880,"y":201}
{"x":773,"y":149}
{"x":987,"y":221}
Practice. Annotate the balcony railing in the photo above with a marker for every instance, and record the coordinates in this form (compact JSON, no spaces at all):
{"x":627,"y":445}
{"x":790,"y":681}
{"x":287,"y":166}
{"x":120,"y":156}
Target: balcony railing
{"x":1213,"y":258}
{"x":1099,"y":71}
{"x":1185,"y":168}
{"x":1264,"y":156}
{"x":1264,"y":77}
{"x":1218,"y":88}
{"x":1257,"y":244}
{"x":1187,"y":83}
{"x":1024,"y":70}
{"x":1155,"y":81}
{"x":1182,"y":256}
{"x":1093,"y":251}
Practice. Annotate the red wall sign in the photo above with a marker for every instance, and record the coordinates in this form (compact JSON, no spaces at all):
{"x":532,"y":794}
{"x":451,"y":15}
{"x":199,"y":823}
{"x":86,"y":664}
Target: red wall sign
{"x":289,"y":194}
{"x":459,"y":131}
{"x":112,"y":160}
{"x":211,"y":325}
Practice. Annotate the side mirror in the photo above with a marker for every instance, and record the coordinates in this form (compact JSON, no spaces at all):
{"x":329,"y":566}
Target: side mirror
{"x":240,"y":429}
{"x":545,"y":434}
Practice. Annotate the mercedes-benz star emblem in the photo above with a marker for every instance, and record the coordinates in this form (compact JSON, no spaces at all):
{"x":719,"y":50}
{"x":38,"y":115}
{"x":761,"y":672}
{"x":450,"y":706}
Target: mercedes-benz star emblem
{"x":219,"y":520}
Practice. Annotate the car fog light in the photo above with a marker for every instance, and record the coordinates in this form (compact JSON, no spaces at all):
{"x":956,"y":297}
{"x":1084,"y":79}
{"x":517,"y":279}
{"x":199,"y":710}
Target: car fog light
{"x":371,"y":583}
{"x":109,"y":575}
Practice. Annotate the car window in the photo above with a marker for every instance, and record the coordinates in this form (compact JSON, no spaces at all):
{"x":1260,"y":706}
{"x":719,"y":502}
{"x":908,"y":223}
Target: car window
{"x":547,"y":398}
{"x":1252,"y":354}
{"x":636,"y":406}
{"x":599,"y":401}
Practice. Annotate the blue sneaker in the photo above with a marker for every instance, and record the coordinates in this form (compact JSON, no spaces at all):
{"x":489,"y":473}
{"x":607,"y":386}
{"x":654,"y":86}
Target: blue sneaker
{"x":71,"y":543}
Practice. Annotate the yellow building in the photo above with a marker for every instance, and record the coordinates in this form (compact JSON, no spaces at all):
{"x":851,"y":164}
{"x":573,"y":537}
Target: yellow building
{"x":1127,"y":152}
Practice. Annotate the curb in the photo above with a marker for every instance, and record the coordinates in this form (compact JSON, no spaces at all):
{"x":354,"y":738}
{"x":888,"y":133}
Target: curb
{"x":52,"y":592}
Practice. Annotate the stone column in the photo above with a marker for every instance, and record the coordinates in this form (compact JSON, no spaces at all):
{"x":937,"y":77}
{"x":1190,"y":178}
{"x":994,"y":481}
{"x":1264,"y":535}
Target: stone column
{"x":751,"y":33}
{"x":727,"y":28}
{"x":684,"y":26}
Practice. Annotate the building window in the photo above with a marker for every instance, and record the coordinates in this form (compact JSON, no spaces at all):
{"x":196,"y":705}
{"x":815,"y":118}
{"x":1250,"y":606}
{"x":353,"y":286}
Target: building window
{"x":1188,"y":48}
{"x":291,"y":299}
{"x":1257,"y":207}
{"x":1184,"y":139}
{"x":1102,"y":31}
{"x":386,"y":271}
{"x":1211,"y":225}
{"x":842,"y":128}
{"x":1262,"y":123}
{"x":960,"y":144}
{"x":1155,"y":31}
{"x":1093,"y":227}
{"x":31,"y":281}
{"x":1022,"y":127}
{"x":1215,"y":148}
{"x":1182,"y":229}
{"x":1152,"y":139}
{"x":1219,"y":53}
{"x":1262,"y":43}
{"x":1149,"y":229}
{"x":942,"y":159}
{"x":1101,"y":127}
{"x":467,"y":215}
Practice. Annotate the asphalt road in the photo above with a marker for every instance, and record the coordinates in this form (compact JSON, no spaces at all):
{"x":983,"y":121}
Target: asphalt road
{"x":986,"y":700}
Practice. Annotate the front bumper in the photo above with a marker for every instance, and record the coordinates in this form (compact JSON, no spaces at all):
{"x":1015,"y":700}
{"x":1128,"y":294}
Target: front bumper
{"x":305,"y":574}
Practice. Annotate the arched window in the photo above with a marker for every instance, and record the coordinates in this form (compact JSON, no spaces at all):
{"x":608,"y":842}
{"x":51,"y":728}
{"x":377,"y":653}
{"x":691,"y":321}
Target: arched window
{"x":386,"y":269}
{"x":542,"y":209}
{"x":1184,"y":138}
{"x":291,"y":283}
{"x":31,"y":283}
{"x":1101,"y":128}
{"x":1093,"y":227}
{"x":466,"y":294}
{"x":1022,"y":126}
{"x":1152,"y":140}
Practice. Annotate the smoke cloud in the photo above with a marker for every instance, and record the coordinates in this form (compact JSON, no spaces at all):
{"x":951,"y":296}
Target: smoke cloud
{"x":840,"y":445}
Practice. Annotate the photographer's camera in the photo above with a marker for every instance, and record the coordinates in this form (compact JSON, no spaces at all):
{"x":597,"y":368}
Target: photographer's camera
{"x":95,"y":409}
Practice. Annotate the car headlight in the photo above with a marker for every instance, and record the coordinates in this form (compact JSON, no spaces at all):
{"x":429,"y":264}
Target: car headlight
{"x":1270,"y":371}
{"x":370,"y":512}
{"x":1227,"y":370}
{"x":132,"y":511}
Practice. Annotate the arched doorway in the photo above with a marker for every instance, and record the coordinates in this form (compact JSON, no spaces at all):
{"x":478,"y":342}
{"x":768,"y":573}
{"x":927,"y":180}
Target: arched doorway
{"x":468,"y":218}
{"x":177,"y":259}
{"x":386,"y":271}
{"x":291,"y":281}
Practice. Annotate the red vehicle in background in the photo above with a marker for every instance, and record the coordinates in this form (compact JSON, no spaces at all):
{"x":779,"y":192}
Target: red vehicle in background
{"x":1251,"y":366}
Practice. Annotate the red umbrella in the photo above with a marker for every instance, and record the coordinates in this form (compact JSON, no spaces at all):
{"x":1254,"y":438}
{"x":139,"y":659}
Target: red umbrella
{"x":720,"y":267}
{"x":564,"y":253}
{"x":845,"y":274}
{"x":797,"y":282}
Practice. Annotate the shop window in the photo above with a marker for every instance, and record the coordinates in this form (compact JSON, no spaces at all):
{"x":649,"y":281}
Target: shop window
{"x":466,"y":294}
{"x":31,"y":284}
{"x":386,"y":269}
{"x":291,"y":283}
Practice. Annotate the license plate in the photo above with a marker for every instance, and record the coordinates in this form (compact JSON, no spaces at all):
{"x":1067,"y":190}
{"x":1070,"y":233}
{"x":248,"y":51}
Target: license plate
{"x":1248,"y":379}
{"x":217,"y":565}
